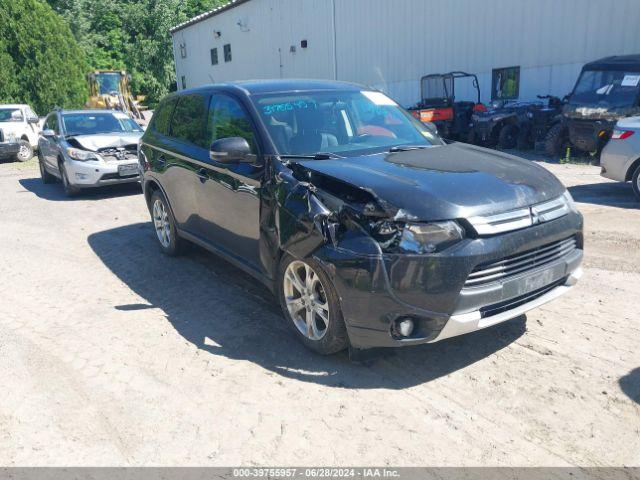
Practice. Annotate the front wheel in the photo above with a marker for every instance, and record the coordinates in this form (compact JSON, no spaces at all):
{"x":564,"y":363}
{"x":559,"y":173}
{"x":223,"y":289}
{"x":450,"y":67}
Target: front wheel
{"x":46,"y":176}
{"x":508,"y":137}
{"x":636,"y":182}
{"x":69,"y":190}
{"x":25,"y":153}
{"x":311,"y":305}
{"x":555,"y":141}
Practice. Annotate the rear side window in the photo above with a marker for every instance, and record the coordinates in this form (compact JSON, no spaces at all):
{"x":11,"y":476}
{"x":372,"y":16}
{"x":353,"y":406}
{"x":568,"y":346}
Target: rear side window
{"x":189,"y":120}
{"x":162,"y":116}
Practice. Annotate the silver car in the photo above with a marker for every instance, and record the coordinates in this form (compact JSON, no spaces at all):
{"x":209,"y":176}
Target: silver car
{"x":620,"y":159}
{"x":89,"y":148}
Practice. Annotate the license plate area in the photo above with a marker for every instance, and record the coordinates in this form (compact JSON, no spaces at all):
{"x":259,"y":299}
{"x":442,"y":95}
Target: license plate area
{"x":128,"y":169}
{"x":534,"y":281}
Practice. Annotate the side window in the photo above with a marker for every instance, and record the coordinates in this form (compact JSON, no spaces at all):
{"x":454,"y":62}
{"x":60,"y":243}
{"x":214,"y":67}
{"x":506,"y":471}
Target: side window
{"x":227,"y":118}
{"x":190,"y":119}
{"x":162,"y":115}
{"x":52,"y":123}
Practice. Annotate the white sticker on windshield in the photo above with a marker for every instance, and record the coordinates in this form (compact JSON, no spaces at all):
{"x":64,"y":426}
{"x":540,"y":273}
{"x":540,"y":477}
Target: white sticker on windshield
{"x":630,"y":81}
{"x":379,"y":99}
{"x":120,"y":115}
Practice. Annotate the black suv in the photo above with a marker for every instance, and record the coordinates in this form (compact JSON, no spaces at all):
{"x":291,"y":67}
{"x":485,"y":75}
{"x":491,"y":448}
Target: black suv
{"x":369,"y":228}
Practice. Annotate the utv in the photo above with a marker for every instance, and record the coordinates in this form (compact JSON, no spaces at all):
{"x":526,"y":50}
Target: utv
{"x":607,"y":90}
{"x":438,"y":104}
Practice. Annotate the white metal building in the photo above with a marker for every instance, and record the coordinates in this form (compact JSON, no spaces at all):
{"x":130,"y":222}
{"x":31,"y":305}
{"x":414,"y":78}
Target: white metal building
{"x":539,"y":45}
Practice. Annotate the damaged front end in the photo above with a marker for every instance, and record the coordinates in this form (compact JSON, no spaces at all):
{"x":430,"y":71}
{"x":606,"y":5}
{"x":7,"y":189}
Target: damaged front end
{"x":364,"y":243}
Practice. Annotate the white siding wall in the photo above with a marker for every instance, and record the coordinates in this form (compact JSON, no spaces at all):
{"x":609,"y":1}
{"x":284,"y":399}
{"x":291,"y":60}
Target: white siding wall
{"x":392,"y":43}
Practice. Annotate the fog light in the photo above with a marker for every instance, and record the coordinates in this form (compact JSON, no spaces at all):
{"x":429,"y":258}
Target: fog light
{"x":404,"y":327}
{"x":81,"y":176}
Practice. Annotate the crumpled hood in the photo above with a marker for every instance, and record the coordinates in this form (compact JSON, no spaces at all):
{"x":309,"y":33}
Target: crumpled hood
{"x":445,"y":182}
{"x":107,"y":140}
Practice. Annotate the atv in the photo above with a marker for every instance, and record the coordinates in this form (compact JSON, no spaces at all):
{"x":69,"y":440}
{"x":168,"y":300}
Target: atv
{"x":438,"y":104}
{"x":606,"y":90}
{"x":498,"y":126}
{"x":540,"y":118}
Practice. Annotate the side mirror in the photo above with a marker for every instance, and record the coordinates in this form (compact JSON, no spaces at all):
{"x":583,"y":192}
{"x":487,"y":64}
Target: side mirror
{"x":48,"y":133}
{"x":231,"y":150}
{"x":33,"y":120}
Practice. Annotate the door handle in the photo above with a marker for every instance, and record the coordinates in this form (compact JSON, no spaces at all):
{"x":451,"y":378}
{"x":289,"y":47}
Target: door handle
{"x":202,"y":175}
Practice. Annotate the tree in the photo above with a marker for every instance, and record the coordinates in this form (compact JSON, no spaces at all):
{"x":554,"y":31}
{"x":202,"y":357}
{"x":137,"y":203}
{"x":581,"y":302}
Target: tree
{"x":40,"y":61}
{"x":131,"y":35}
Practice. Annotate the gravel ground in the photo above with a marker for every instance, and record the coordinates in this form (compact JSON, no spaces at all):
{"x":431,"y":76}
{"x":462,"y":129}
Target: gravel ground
{"x":112,"y":354}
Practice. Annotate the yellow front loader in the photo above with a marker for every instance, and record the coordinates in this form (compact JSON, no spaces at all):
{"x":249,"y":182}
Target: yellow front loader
{"x":110,"y":89}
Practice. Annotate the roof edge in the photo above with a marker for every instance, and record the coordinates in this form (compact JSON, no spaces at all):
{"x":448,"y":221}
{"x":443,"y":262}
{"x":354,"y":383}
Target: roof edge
{"x":203,"y":16}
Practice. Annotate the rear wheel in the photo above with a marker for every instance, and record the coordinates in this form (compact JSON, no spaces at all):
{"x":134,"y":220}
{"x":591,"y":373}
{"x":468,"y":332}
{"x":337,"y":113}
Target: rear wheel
{"x":508,"y":137}
{"x":164,"y":225}
{"x":310,"y":304}
{"x":46,"y":176}
{"x":555,"y":141}
{"x":636,"y":182}
{"x":25,"y":153}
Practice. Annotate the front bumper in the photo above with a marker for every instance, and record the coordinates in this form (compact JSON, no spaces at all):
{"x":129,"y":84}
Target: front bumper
{"x":9,"y":149}
{"x":616,"y":159}
{"x":590,"y":135}
{"x":376,"y":290}
{"x":98,"y":173}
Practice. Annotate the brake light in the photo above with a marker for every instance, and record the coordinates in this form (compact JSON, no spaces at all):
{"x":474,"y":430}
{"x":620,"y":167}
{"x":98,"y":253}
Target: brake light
{"x":479,"y":107}
{"x":436,"y":114}
{"x":621,"y":134}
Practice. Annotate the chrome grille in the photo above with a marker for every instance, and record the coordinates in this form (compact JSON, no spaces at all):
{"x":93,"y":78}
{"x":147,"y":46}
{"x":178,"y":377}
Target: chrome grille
{"x":520,"y":263}
{"x":521,"y":218}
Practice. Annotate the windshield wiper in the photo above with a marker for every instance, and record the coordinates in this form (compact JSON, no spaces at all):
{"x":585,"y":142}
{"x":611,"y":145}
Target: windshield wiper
{"x":317,"y":156}
{"x":407,"y":148}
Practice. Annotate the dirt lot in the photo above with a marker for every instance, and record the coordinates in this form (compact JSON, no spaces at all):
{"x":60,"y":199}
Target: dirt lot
{"x":112,"y":354}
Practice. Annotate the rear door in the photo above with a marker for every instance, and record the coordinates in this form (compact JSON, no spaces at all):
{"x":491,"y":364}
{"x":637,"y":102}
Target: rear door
{"x":180,"y":154}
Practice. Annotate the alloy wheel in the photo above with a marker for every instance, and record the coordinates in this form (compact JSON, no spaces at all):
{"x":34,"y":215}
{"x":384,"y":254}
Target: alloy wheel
{"x":161,"y":223}
{"x":24,"y":153}
{"x":306,"y":300}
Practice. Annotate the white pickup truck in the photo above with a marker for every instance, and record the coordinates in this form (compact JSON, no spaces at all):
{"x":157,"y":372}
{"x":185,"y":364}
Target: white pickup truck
{"x":19,"y":130}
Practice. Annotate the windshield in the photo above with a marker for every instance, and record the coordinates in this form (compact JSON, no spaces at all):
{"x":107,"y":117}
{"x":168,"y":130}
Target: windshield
{"x":437,"y":86}
{"x":606,"y":88}
{"x":11,"y":115}
{"x":94,"y":123}
{"x":344,"y":123}
{"x":108,"y":83}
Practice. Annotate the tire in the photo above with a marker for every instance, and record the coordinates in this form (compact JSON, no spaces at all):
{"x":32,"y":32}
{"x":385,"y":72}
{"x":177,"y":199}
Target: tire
{"x":69,"y":190}
{"x":319,"y":295}
{"x":523,"y":141}
{"x":471,"y":137}
{"x":46,"y":176}
{"x":555,"y":141}
{"x":26,"y":151}
{"x":164,"y":225}
{"x":636,"y":182}
{"x":508,"y":137}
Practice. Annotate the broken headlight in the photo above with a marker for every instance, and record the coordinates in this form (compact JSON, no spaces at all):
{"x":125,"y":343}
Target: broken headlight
{"x":82,"y":155}
{"x":429,"y":237}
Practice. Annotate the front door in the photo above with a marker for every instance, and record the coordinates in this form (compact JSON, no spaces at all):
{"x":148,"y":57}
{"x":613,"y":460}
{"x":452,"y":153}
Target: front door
{"x":229,"y":194}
